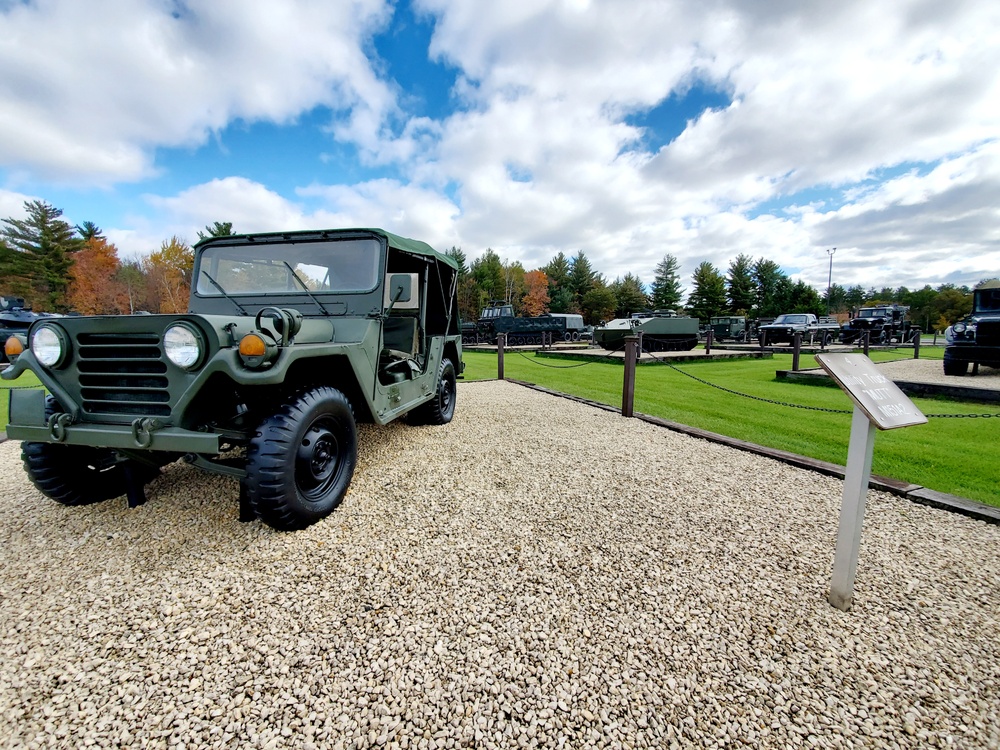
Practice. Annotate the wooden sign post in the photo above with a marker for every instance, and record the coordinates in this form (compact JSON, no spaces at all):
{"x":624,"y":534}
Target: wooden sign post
{"x":878,"y":403}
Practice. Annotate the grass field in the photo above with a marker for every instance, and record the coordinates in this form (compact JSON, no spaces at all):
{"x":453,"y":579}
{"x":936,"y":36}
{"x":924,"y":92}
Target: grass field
{"x":948,"y":455}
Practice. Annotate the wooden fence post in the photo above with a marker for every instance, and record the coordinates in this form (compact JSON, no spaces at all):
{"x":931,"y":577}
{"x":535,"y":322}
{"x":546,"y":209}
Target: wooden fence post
{"x":866,"y":337}
{"x":796,"y":349}
{"x":708,"y":341}
{"x":916,"y":346}
{"x":501,"y":343}
{"x":628,"y":379}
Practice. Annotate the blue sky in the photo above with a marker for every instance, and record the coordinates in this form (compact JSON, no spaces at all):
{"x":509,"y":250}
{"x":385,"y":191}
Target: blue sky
{"x":625,"y":130}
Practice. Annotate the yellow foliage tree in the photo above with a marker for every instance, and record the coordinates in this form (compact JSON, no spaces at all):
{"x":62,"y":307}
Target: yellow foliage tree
{"x":536,"y":296}
{"x":169,"y":273}
{"x":94,"y":287}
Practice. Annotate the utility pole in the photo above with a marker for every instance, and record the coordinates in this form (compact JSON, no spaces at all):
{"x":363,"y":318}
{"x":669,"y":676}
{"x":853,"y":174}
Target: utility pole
{"x":829,"y":281}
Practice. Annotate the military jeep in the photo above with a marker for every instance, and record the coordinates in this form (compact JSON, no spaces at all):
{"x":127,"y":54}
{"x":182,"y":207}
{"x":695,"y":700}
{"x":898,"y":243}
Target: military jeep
{"x":290,"y":340}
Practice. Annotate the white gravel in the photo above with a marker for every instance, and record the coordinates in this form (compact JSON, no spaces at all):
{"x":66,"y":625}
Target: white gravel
{"x":536,"y":574}
{"x":932,"y":371}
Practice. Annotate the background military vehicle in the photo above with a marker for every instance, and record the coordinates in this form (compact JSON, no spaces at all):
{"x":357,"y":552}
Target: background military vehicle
{"x":290,"y":340}
{"x":15,"y":319}
{"x":888,"y":324}
{"x":731,"y":327}
{"x":975,"y":339}
{"x":661,"y":331}
{"x":499,"y":317}
{"x":812,"y":328}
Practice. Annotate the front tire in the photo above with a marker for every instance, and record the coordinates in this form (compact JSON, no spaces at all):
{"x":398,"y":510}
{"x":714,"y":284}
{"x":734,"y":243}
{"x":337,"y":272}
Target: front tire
{"x":440,"y":409}
{"x":301,"y":460}
{"x":955,"y":367}
{"x":76,"y":475}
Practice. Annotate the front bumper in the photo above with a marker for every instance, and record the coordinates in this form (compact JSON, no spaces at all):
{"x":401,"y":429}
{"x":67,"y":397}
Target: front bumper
{"x":969,"y":351}
{"x":28,"y":422}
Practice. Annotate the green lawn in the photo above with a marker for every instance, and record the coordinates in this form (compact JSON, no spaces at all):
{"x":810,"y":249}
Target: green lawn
{"x":948,"y":455}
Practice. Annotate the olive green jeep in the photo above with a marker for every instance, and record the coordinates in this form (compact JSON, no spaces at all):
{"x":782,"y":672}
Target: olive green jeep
{"x":291,"y":338}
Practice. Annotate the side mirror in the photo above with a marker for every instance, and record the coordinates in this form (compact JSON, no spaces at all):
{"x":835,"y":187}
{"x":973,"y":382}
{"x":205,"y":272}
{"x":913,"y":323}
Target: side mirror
{"x":403,"y":285}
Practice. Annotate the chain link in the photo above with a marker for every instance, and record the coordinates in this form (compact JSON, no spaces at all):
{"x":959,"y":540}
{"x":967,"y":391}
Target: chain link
{"x":802,"y":406}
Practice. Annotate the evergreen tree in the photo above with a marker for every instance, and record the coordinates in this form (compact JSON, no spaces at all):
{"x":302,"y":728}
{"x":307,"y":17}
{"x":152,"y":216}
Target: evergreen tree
{"x":708,"y":298}
{"x":766,"y":275}
{"x":598,"y":304}
{"x":218,"y":229}
{"x":582,"y":277}
{"x":459,"y":257}
{"x":805,"y":299}
{"x":560,"y":294}
{"x":36,"y":256}
{"x":629,"y":296}
{"x":89,"y":230}
{"x":741,"y":290}
{"x":665,"y":291}
{"x":488,"y":273}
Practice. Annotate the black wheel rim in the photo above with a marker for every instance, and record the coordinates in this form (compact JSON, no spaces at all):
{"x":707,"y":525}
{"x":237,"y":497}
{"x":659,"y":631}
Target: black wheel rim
{"x":446,"y":394}
{"x":318,"y":459}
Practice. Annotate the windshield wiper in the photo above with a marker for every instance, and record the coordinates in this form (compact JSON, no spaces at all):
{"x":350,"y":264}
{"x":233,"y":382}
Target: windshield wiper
{"x":305,"y":288}
{"x":225,"y":294}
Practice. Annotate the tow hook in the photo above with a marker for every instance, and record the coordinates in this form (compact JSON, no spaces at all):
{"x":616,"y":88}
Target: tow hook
{"x":143,"y":429}
{"x":58,"y":424}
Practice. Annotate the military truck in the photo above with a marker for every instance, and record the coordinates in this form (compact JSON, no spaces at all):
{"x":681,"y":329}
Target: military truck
{"x":812,"y":328}
{"x":975,"y":339}
{"x":498,"y":317}
{"x":886,"y":324}
{"x":15,"y":318}
{"x":290,"y":340}
{"x":661,"y":331}
{"x":729,"y":327}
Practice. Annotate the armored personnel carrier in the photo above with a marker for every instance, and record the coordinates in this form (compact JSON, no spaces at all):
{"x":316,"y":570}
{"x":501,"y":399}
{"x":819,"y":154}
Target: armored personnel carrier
{"x":15,"y":318}
{"x":661,"y":331}
{"x":291,"y":339}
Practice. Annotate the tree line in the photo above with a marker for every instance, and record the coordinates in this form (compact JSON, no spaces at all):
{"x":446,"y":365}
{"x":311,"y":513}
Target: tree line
{"x":61,"y":268}
{"x":56,"y":267}
{"x":757,"y":289}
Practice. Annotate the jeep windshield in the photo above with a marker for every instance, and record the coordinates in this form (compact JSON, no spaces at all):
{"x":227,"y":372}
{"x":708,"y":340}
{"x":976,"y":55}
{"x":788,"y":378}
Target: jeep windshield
{"x":327,"y":266}
{"x":790,"y":320}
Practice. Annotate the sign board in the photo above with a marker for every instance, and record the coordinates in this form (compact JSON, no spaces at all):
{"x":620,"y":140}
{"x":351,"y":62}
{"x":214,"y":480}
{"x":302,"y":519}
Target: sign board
{"x":879,"y":398}
{"x":878,"y":402}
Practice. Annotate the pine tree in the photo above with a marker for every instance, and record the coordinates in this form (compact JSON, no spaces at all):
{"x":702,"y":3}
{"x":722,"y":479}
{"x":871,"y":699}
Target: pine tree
{"x":708,"y":298}
{"x":218,"y":229}
{"x":582,"y":277}
{"x":459,"y":257}
{"x":741,"y":290}
{"x":37,"y":254}
{"x":629,"y":296}
{"x":560,"y":294}
{"x":665,"y":290}
{"x":766,"y":275}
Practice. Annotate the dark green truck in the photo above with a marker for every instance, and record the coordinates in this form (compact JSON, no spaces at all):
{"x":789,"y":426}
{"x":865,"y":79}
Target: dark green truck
{"x":291,"y":338}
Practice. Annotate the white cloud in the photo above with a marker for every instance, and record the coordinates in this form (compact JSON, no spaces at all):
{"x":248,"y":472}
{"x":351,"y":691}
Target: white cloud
{"x":91,"y":89}
{"x":826,"y":98}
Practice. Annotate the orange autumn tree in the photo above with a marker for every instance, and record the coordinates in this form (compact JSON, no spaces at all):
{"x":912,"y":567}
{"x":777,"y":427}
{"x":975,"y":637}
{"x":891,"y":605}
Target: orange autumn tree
{"x":94,"y":287}
{"x":168,"y":272}
{"x":536,"y":293}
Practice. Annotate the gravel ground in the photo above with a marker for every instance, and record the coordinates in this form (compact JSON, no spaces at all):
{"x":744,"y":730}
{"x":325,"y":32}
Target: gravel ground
{"x":932,"y":371}
{"x":537,"y":573}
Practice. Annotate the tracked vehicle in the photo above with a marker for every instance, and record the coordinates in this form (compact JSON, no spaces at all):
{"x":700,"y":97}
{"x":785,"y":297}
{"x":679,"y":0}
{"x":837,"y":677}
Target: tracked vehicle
{"x":499,"y":318}
{"x":291,"y":339}
{"x":661,"y":332}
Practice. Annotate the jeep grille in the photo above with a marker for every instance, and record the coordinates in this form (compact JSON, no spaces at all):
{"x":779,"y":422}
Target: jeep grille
{"x":122,"y":374}
{"x":988,"y":333}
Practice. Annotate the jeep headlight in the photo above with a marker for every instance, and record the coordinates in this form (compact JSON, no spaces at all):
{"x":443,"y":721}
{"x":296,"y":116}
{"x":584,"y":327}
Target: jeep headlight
{"x":50,"y":345}
{"x":183,"y":346}
{"x":959,"y":328}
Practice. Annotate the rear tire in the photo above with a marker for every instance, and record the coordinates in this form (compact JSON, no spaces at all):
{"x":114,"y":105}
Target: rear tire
{"x":440,"y":409}
{"x":301,"y":460}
